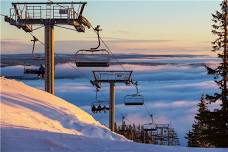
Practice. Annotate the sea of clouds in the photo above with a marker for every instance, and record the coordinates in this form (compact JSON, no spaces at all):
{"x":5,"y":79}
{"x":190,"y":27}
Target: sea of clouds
{"x":171,"y":86}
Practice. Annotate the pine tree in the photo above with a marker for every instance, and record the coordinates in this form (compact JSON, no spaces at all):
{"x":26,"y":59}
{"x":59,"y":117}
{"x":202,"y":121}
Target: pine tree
{"x":219,"y":28}
{"x":219,"y":118}
{"x":215,"y":123}
{"x":198,"y":136}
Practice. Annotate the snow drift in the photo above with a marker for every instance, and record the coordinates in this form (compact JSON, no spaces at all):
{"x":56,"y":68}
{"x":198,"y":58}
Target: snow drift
{"x":33,"y":120}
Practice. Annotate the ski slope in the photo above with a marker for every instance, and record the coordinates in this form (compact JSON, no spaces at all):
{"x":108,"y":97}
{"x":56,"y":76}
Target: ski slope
{"x":33,"y":120}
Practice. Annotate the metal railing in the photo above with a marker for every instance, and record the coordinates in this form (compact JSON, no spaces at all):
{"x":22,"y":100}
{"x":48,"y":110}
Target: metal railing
{"x":112,"y":75}
{"x":44,"y":12}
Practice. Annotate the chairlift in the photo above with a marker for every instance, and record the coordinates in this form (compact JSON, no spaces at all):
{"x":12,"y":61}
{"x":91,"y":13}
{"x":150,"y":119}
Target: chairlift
{"x":134,"y":99}
{"x":99,"y":105}
{"x":93,"y":57}
{"x":150,"y":126}
{"x":39,"y":71}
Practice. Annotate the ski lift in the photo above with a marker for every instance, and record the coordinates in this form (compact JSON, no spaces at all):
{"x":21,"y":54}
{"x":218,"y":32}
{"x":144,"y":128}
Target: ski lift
{"x":134,"y":99}
{"x":99,"y":105}
{"x":150,"y":126}
{"x":39,"y":71}
{"x":93,"y":57}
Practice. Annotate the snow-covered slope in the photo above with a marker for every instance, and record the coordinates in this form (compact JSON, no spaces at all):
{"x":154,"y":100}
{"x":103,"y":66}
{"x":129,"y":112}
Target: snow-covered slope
{"x":35,"y":121}
{"x":29,"y":108}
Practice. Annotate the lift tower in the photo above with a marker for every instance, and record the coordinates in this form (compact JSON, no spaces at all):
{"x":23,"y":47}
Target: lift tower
{"x":48,"y":14}
{"x":111,"y":77}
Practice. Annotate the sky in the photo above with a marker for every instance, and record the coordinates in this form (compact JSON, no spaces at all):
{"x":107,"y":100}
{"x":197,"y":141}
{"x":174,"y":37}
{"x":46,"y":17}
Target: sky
{"x":148,"y":27}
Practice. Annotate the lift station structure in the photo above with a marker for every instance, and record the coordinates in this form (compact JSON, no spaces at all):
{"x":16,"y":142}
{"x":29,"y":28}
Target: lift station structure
{"x":24,"y":15}
{"x":111,"y":77}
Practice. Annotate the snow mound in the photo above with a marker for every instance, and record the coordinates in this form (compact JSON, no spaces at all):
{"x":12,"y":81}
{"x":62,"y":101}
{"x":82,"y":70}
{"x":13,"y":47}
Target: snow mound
{"x":29,"y":108}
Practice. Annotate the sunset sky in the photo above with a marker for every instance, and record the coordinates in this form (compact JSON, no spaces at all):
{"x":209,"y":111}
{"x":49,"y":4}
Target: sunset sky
{"x":149,"y":27}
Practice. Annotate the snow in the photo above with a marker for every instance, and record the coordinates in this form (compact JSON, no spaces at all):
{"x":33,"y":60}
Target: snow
{"x":26,"y":107}
{"x":33,"y":120}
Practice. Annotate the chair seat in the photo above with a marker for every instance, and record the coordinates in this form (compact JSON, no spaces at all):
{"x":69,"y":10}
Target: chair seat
{"x":92,"y":64}
{"x":33,"y":71}
{"x":134,"y":103}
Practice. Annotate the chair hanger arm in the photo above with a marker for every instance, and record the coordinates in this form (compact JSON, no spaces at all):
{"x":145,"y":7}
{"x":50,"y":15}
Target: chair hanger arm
{"x":97,"y":29}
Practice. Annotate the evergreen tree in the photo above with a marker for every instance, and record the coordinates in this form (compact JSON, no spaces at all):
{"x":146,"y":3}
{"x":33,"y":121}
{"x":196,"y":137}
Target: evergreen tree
{"x":219,"y":28}
{"x":198,"y":136}
{"x":211,"y":127}
{"x":219,"y":118}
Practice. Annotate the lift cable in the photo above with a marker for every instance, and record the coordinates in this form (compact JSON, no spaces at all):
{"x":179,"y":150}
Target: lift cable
{"x":37,"y":28}
{"x":148,"y":112}
{"x":56,"y":54}
{"x":113,"y":55}
{"x":110,"y":51}
{"x":125,"y":118}
{"x":3,"y":15}
{"x":102,"y":42}
{"x":36,"y":38}
{"x":66,"y":28}
{"x":32,"y":30}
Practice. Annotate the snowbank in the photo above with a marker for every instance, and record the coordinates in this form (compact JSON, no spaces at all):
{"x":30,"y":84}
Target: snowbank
{"x":35,"y":121}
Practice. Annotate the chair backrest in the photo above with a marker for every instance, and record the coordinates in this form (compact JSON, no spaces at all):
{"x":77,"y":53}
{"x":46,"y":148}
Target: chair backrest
{"x":92,"y":58}
{"x":134,"y":99}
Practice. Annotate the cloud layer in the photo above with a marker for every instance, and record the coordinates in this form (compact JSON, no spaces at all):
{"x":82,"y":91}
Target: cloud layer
{"x":171,"y":89}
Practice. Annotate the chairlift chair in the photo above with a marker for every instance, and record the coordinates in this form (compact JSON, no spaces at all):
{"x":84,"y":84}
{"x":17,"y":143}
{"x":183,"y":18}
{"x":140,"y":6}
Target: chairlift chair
{"x":39,"y":71}
{"x":134,"y":99}
{"x":99,"y":105}
{"x":149,"y":127}
{"x":93,"y":57}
